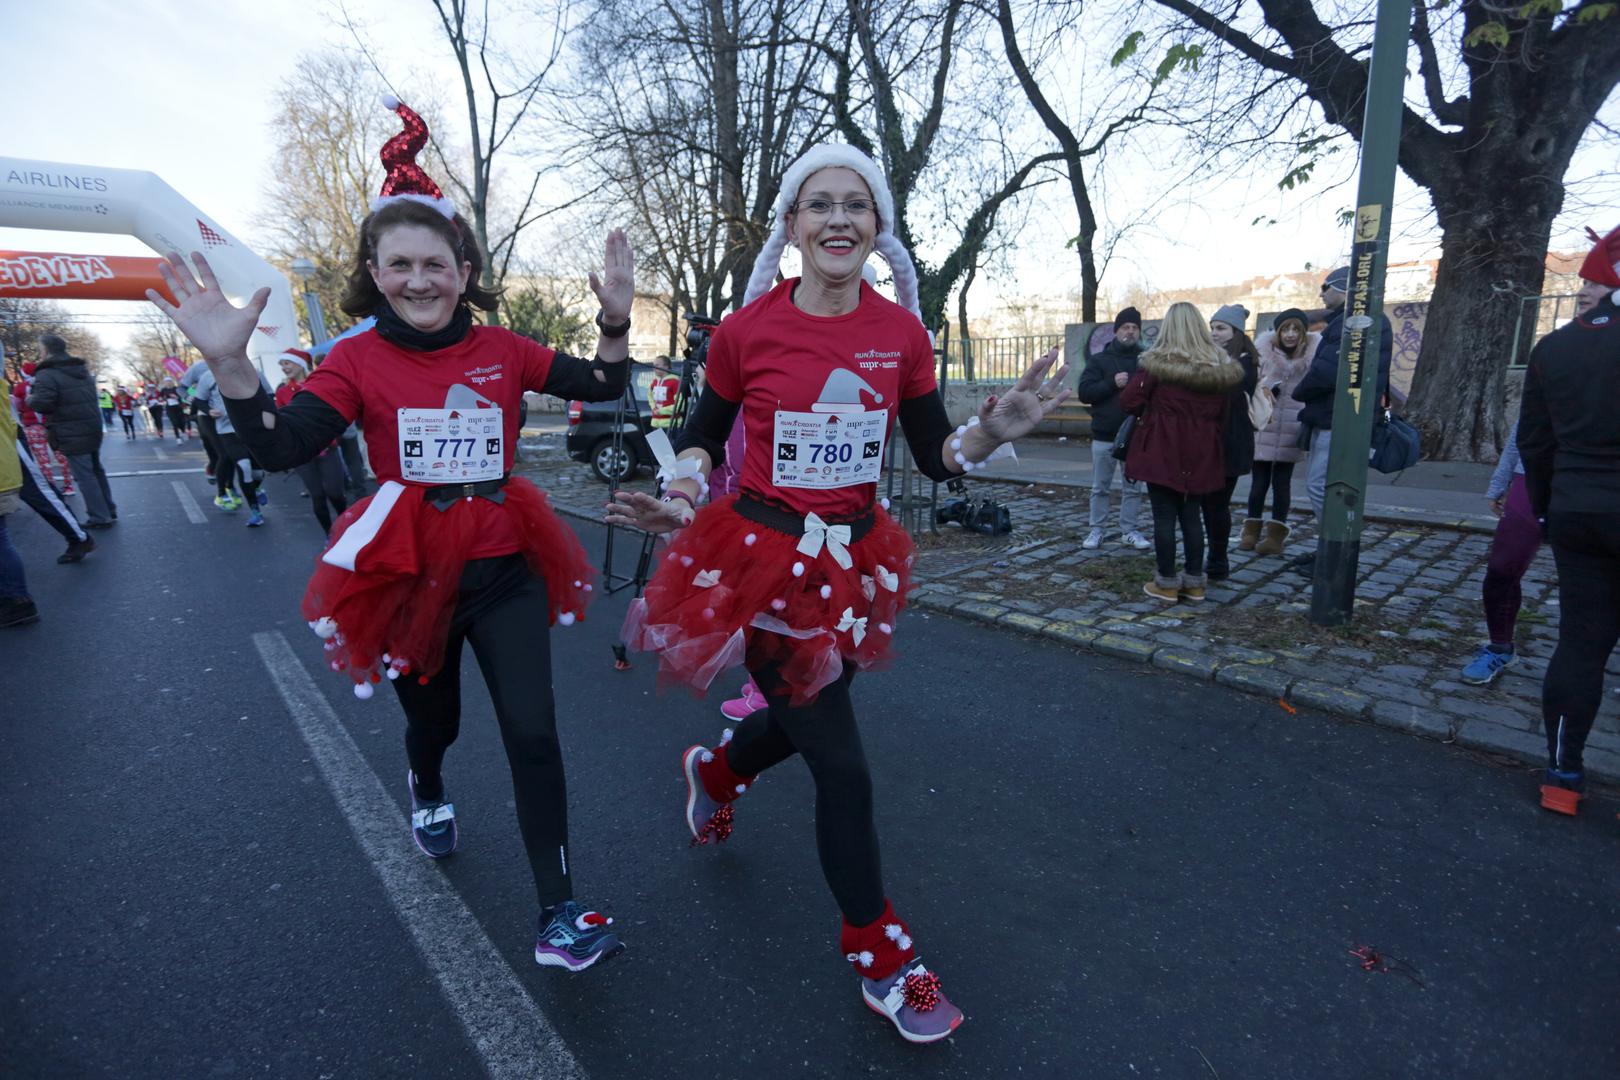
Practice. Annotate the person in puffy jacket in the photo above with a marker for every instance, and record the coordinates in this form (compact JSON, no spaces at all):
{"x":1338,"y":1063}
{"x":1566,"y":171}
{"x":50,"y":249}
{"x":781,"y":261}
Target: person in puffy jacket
{"x":1105,"y":375}
{"x":1286,"y":351}
{"x":1181,"y":393}
{"x":64,"y":393}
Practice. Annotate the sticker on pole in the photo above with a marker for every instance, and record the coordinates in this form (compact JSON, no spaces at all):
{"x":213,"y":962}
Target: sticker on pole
{"x":1358,"y":322}
{"x":1368,"y":220}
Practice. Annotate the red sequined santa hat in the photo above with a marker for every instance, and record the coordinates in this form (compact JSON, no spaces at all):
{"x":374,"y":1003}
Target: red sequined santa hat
{"x":1602,"y":264}
{"x":405,"y":179}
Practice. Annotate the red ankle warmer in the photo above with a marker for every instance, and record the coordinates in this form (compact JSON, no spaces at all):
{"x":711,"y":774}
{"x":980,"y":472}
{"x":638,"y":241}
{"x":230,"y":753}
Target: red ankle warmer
{"x":719,"y":781}
{"x":878,"y":949}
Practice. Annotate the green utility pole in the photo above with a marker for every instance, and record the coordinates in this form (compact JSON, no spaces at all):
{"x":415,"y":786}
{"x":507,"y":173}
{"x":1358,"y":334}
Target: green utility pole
{"x":1338,"y":549}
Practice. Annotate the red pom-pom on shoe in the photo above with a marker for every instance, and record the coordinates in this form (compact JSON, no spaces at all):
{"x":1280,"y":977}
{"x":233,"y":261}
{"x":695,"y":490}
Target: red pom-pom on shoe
{"x":921,"y":992}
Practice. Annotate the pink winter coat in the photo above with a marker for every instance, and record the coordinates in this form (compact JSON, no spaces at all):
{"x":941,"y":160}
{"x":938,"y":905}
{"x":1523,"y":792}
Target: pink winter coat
{"x":1279,"y":439}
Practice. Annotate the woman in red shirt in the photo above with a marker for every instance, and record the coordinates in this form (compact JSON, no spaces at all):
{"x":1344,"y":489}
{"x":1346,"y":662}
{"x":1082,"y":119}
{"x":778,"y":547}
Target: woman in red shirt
{"x":800,"y":576}
{"x":451,"y":548}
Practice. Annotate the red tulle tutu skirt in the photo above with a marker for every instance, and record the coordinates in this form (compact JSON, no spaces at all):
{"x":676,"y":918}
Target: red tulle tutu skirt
{"x":726,"y":594}
{"x":390,"y":615}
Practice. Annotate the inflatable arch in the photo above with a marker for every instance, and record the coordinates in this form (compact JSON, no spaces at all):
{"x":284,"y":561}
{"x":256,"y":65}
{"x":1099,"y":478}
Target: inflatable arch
{"x":87,"y":198}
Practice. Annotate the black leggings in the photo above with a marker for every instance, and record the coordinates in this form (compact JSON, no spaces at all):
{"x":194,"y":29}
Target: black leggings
{"x":210,"y":441}
{"x":238,"y":463}
{"x":1218,"y":521}
{"x":824,"y":733}
{"x":504,"y":612}
{"x":129,"y":423}
{"x":156,"y":413}
{"x":1279,"y":477}
{"x":1173,"y":510}
{"x":323,"y":479}
{"x":1586,"y":548}
{"x":178,"y":419}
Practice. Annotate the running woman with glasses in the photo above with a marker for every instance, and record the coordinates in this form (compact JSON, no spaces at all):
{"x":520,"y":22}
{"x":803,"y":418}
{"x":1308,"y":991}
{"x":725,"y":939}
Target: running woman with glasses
{"x":800,"y":577}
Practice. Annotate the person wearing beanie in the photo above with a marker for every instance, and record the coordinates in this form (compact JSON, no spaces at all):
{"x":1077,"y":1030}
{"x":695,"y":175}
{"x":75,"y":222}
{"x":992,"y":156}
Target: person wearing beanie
{"x":323,"y":476}
{"x":64,"y":393}
{"x":1285,"y":352}
{"x":1182,"y":394}
{"x":1226,"y":328}
{"x":452,"y":548}
{"x":1319,"y":387}
{"x":801,"y":576}
{"x":1104,"y":376}
{"x":1569,"y":440}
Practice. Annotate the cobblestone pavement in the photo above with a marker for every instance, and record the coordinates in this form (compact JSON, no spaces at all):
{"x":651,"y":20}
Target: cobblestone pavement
{"x":1418,"y":616}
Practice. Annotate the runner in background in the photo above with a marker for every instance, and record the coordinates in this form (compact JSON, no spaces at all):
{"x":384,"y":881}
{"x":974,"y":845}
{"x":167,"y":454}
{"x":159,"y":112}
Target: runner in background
{"x":153,"y":400}
{"x":174,"y":404}
{"x":125,"y":405}
{"x":322,"y":477}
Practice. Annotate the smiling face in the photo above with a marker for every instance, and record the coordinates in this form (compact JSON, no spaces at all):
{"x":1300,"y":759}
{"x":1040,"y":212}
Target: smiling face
{"x":419,"y":275}
{"x":834,"y":242}
{"x":291,"y":370}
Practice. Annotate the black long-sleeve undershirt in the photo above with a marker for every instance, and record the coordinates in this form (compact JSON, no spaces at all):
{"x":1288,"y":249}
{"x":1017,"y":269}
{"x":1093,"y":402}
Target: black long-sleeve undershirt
{"x":922,"y":419}
{"x":307,"y":425}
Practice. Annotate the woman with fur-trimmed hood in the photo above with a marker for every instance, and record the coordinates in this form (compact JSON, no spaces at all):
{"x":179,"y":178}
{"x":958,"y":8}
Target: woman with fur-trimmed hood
{"x":1180,"y":394}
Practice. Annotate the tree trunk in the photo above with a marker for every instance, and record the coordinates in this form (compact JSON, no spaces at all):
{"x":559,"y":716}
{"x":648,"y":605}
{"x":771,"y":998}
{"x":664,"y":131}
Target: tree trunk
{"x":1493,"y":252}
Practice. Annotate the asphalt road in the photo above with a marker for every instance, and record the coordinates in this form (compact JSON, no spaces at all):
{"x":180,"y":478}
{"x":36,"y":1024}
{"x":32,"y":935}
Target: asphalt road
{"x":1118,"y":873}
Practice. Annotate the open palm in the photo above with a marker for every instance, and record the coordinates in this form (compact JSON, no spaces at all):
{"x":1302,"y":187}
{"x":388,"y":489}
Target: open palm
{"x":1017,"y":412}
{"x":615,"y":287}
{"x":217,"y":327}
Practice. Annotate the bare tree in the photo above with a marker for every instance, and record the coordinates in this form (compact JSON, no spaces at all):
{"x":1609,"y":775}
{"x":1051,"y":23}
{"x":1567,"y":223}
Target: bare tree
{"x":23,"y":321}
{"x":1508,"y":92}
{"x":155,"y":338}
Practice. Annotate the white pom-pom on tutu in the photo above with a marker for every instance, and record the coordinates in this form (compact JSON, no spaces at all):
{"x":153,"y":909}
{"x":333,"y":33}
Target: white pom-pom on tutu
{"x":393,"y":673}
{"x":587,"y":588}
{"x":686,"y":560}
{"x":883,"y":503}
{"x":798,"y":569}
{"x":885,"y":628}
{"x":390,"y":102}
{"x":826,"y":592}
{"x":566,"y":618}
{"x":742,"y":789}
{"x":708,"y":613}
{"x":749,"y":540}
{"x":579,"y":584}
{"x":324,"y":628}
{"x":362,"y":690}
{"x":387,"y":659}
{"x":778,"y":605}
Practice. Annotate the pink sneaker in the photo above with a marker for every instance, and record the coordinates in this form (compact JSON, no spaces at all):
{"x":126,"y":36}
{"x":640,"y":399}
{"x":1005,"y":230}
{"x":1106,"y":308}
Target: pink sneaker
{"x":740,"y":708}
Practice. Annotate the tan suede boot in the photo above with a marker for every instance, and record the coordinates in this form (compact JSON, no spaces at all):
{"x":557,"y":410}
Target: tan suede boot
{"x":1276,"y":537}
{"x":1251,"y":534}
{"x":1164,"y":588}
{"x":1192,"y":587}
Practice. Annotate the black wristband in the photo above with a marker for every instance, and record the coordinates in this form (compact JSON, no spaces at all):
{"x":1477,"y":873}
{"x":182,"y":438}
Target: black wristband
{"x":612,"y":331}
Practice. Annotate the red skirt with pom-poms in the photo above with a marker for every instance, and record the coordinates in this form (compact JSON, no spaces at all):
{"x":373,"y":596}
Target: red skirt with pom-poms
{"x":393,"y":609}
{"x":732,"y":590}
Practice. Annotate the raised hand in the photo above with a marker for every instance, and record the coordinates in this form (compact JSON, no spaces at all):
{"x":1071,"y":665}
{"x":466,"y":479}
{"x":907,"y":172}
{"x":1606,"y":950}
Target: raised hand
{"x":1017,"y":412}
{"x":615,"y":287}
{"x":638,"y":510}
{"x":218,"y":328}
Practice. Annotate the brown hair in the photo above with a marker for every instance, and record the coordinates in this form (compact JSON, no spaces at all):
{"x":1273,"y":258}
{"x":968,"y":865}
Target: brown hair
{"x":1239,"y":345}
{"x":361,"y":297}
{"x":1304,"y":334}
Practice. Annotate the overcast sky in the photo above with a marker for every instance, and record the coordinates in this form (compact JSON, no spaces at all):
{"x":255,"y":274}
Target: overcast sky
{"x":185,"y":90}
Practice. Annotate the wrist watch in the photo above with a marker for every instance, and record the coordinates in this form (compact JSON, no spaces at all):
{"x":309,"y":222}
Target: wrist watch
{"x":612,"y":331}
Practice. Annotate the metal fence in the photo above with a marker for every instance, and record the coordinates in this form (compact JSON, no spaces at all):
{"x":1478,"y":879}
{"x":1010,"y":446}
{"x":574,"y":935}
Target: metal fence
{"x":994,"y":359}
{"x":1538,"y":317}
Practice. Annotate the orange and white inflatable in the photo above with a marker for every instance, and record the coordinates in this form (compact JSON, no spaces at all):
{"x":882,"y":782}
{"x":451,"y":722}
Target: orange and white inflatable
{"x":88,"y":198}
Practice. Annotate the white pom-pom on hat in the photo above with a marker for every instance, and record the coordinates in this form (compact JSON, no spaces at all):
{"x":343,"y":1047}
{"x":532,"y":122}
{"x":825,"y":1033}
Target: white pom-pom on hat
{"x":390,"y":102}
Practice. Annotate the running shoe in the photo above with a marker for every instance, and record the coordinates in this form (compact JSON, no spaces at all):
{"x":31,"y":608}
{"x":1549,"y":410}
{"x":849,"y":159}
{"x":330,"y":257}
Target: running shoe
{"x":77,"y":550}
{"x":255,"y":519}
{"x":1562,"y":792}
{"x":704,"y":817}
{"x":912,"y":1000}
{"x":226,"y":503}
{"x":744,"y":706}
{"x":1486,"y":665}
{"x":573,"y":938}
{"x":1093,"y":540}
{"x":1136,"y":540}
{"x":433,"y":822}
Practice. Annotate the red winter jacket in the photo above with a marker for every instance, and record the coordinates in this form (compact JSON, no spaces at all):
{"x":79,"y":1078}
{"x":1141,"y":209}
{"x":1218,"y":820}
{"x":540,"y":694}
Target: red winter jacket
{"x":1182,"y":405}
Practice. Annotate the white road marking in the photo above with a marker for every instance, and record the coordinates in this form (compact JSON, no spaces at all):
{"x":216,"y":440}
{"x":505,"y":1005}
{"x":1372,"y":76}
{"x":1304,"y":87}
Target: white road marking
{"x":188,"y":503}
{"x":509,"y":1032}
{"x":160,"y":472}
{"x":161,"y":456}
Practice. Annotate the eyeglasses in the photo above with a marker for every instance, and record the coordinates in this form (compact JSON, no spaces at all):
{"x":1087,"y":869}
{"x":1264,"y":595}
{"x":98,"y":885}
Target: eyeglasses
{"x":823,"y":207}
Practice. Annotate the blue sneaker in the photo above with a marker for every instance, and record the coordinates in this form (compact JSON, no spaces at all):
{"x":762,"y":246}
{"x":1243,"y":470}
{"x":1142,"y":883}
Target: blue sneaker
{"x":1486,"y":665}
{"x":433,"y":822}
{"x":573,"y":938}
{"x":255,"y":519}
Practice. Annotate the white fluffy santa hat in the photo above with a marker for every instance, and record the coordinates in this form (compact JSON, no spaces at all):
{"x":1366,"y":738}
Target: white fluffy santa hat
{"x":836,"y":156}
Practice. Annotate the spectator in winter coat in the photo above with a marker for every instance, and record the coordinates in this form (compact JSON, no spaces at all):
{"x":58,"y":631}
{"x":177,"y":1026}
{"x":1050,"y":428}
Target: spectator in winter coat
{"x":1286,"y":351}
{"x":1227,"y":329}
{"x":1320,"y":386}
{"x":1569,"y":438}
{"x":1105,"y":375}
{"x":64,"y":393}
{"x":16,"y":606}
{"x":1181,"y":394}
{"x":104,"y":401}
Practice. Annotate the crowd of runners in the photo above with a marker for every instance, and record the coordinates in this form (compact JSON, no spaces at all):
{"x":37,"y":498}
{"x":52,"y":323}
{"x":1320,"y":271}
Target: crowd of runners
{"x":780,"y":560}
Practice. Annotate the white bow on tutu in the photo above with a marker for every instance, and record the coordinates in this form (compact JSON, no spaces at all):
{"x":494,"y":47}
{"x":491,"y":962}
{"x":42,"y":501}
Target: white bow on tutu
{"x":835,"y":537}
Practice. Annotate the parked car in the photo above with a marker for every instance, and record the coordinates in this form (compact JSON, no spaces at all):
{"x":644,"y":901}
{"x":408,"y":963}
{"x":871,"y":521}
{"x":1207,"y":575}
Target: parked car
{"x":590,"y":431}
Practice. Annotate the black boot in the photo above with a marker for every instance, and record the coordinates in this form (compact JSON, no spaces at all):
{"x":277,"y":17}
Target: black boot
{"x":14,"y":612}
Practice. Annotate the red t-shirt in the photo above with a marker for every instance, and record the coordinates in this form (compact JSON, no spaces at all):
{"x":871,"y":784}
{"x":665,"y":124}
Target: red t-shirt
{"x":285,"y":392}
{"x":367,"y":379}
{"x":770,"y":356}
{"x":665,"y":389}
